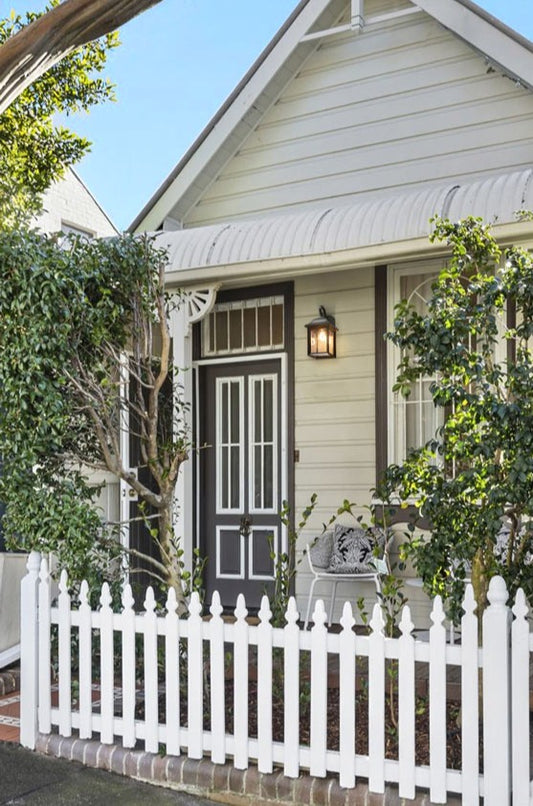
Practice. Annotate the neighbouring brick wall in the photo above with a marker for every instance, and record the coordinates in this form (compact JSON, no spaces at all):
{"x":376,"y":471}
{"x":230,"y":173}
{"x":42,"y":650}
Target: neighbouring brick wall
{"x":69,"y":201}
{"x":221,"y":782}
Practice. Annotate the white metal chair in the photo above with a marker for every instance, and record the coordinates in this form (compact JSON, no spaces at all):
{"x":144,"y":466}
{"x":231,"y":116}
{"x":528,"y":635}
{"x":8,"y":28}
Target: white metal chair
{"x":319,"y":553}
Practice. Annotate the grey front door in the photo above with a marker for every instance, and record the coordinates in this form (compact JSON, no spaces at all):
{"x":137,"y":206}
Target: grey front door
{"x":240,"y":477}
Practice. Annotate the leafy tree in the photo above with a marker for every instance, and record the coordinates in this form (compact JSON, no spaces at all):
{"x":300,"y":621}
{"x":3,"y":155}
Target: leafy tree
{"x":85,"y":352}
{"x":474,"y":480}
{"x":27,"y":52}
{"x":50,"y":63}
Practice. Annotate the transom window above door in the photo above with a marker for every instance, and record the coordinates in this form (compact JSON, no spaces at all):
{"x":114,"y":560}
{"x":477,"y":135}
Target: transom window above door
{"x":244,"y":326}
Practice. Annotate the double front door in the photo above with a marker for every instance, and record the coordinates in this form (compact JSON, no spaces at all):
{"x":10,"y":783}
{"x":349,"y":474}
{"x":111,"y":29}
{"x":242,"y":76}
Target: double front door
{"x":241,"y":477}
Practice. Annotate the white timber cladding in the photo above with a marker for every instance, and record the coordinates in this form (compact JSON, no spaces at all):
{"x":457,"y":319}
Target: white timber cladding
{"x":334,"y":411}
{"x":398,"y":106}
{"x":334,"y":404}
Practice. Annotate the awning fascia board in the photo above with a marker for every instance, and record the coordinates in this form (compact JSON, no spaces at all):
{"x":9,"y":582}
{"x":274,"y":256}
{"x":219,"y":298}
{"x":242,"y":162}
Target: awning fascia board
{"x":249,"y":273}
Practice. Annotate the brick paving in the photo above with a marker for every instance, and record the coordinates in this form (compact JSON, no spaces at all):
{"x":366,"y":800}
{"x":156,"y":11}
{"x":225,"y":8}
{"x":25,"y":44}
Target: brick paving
{"x":9,"y":705}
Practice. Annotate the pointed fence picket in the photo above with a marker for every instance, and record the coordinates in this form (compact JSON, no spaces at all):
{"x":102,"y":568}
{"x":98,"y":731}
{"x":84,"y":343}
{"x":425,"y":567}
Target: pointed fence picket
{"x":521,"y":741}
{"x":128,"y":666}
{"x":172,"y":675}
{"x":45,"y":668}
{"x":204,"y":660}
{"x":264,"y":688}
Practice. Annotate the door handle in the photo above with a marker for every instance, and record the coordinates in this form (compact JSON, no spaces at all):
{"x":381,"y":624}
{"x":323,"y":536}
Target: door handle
{"x":246,"y":524}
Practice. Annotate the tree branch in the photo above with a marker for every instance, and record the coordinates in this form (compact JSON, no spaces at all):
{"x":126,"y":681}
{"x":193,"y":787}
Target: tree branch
{"x":41,"y":44}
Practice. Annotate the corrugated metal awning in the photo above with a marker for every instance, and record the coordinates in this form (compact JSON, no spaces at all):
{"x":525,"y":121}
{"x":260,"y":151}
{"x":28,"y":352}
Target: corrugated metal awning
{"x":390,"y":220}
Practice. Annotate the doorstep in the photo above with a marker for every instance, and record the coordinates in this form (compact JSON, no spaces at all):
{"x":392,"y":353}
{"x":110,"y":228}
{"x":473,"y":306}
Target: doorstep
{"x":221,"y":782}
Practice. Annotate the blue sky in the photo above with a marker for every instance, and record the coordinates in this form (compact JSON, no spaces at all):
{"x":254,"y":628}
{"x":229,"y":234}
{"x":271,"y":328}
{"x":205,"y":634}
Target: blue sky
{"x":177,"y":64}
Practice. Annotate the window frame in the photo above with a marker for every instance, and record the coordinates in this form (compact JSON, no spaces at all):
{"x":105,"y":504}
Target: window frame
{"x":396,"y":446}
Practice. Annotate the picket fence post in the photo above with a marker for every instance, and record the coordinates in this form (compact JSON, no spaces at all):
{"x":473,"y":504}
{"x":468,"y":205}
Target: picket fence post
{"x":376,"y":702}
{"x":470,"y":699}
{"x":172,"y":674}
{"x":264,"y":688}
{"x":496,"y":706}
{"x":291,"y":691}
{"x":437,"y":704}
{"x":85,"y":661}
{"x":406,"y":706}
{"x":218,"y":688}
{"x":64,"y":649}
{"x":520,"y":700}
{"x":44,"y":665}
{"x":240,"y":685}
{"x":29,"y":649}
{"x":128,"y":667}
{"x":106,"y":665}
{"x":347,"y":698}
{"x":151,"y":693}
{"x":319,"y":691}
{"x":195,"y":679}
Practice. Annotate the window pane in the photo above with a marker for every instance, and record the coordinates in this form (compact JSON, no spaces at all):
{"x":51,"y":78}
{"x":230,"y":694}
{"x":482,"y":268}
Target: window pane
{"x":268,"y":413}
{"x":221,"y":330}
{"x":268,"y":477}
{"x":235,"y":413}
{"x":257,"y":412}
{"x":277,"y":325}
{"x":246,"y":325}
{"x":211,"y":328}
{"x":258,"y":498}
{"x":249,"y":327}
{"x":225,"y":413}
{"x":235,"y":330}
{"x":235,"y":476}
{"x":224,"y":475}
{"x":263,"y":326}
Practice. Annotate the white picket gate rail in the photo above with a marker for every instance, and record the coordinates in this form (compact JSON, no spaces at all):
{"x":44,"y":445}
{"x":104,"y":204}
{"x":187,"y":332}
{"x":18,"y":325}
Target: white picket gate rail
{"x":504,"y":660}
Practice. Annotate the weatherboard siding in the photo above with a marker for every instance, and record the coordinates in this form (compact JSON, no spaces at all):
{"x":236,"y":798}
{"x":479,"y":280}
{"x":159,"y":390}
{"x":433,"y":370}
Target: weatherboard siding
{"x":402,"y":105}
{"x":334,"y":412}
{"x":334,"y":402}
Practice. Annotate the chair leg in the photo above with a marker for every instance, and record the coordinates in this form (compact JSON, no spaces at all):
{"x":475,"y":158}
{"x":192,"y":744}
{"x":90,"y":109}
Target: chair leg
{"x":309,"y":600}
{"x":332,"y":602}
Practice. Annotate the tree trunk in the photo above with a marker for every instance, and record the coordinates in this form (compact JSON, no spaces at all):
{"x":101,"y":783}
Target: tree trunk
{"x":171,"y":557}
{"x":32,"y":51}
{"x":480,"y":581}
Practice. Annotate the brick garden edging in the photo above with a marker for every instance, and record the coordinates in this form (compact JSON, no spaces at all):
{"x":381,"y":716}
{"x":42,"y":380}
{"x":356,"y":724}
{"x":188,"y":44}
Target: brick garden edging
{"x":221,"y":782}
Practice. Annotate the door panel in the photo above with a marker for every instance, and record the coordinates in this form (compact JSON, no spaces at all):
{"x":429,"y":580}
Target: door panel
{"x":240,"y":476}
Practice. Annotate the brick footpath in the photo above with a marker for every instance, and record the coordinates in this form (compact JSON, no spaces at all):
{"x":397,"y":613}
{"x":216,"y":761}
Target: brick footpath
{"x":221,"y":782}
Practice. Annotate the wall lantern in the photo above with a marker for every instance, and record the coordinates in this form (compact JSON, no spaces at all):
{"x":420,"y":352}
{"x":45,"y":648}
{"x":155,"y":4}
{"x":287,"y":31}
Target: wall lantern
{"x":322,"y":336}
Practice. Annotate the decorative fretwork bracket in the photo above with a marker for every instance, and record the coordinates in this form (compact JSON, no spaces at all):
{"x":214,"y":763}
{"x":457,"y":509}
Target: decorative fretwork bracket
{"x":198,"y":302}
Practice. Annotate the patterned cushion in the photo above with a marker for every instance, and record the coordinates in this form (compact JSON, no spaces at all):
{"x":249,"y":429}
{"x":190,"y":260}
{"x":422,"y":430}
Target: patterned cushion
{"x":353,"y":549}
{"x":321,"y":549}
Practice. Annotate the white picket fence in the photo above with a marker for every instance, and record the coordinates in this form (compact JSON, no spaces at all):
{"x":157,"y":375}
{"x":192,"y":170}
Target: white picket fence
{"x":503,"y":708}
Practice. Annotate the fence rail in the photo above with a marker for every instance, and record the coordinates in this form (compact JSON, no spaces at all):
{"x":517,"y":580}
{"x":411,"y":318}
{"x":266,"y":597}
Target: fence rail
{"x":164,"y":680}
